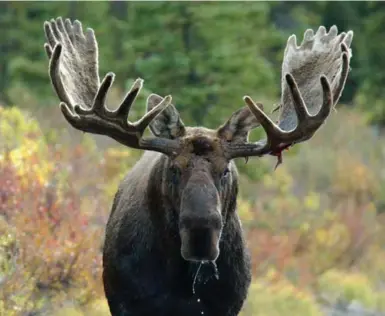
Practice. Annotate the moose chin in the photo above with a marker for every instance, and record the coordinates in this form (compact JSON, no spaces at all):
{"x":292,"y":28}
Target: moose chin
{"x":177,"y":207}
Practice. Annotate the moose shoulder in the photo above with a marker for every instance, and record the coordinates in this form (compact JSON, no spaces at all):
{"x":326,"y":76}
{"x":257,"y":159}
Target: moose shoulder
{"x":174,"y":243}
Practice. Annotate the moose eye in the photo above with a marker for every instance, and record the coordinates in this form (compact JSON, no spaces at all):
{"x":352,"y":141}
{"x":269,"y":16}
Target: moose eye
{"x":226,"y":172}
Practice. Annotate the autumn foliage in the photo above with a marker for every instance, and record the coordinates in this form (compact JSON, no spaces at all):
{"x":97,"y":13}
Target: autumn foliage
{"x":50,"y":235}
{"x":314,"y":227}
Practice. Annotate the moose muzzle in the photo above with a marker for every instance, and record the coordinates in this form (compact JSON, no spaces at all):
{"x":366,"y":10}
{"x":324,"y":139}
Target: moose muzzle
{"x":200,"y":222}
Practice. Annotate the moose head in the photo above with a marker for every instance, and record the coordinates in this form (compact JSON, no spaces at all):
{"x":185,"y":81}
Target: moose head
{"x":314,"y":76}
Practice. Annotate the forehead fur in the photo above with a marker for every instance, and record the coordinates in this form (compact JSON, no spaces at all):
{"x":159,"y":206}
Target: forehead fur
{"x":201,"y":131}
{"x":201,"y":142}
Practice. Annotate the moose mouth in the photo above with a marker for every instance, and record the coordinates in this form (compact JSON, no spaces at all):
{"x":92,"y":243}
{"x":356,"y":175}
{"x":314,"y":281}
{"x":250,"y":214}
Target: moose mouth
{"x":200,"y":244}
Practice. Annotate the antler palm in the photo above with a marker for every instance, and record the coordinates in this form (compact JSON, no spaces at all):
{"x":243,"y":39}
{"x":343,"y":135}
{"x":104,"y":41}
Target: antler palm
{"x":78,"y":62}
{"x":75,"y":76}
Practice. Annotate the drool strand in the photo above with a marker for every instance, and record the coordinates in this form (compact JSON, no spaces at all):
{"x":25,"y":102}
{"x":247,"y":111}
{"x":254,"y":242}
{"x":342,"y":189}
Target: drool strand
{"x":195,"y":277}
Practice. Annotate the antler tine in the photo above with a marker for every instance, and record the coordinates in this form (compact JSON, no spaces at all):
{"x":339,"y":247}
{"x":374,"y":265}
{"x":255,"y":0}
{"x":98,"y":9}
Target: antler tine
{"x":99,"y":106}
{"x":299,"y":103}
{"x":74,"y":75}
{"x":344,"y":71}
{"x":129,"y":99}
{"x":326,"y":107}
{"x":55,"y":75}
{"x":297,"y":123}
{"x":267,"y":124}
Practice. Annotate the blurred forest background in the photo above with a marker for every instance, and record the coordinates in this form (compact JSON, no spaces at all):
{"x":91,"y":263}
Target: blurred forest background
{"x":315,"y":227}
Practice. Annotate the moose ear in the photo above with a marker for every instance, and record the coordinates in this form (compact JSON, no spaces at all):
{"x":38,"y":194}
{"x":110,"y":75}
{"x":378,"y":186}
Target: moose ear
{"x":237,"y":128}
{"x":166,"y":124}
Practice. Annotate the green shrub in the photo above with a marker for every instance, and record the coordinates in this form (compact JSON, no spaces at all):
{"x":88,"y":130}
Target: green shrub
{"x":348,"y":287}
{"x":279,"y":299}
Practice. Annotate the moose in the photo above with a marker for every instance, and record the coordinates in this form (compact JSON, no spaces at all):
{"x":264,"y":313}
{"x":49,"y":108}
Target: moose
{"x":174,"y":243}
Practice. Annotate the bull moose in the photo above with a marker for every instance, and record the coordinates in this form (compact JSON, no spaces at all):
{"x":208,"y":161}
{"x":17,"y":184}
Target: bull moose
{"x":174,"y":244}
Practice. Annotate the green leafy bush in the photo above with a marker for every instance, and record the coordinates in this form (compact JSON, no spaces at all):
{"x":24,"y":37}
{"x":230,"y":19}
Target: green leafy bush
{"x":267,"y":298}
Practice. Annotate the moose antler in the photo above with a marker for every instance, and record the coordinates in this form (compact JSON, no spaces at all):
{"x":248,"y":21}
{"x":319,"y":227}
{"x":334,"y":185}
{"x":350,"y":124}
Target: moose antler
{"x":314,"y":76}
{"x":74,"y":72}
